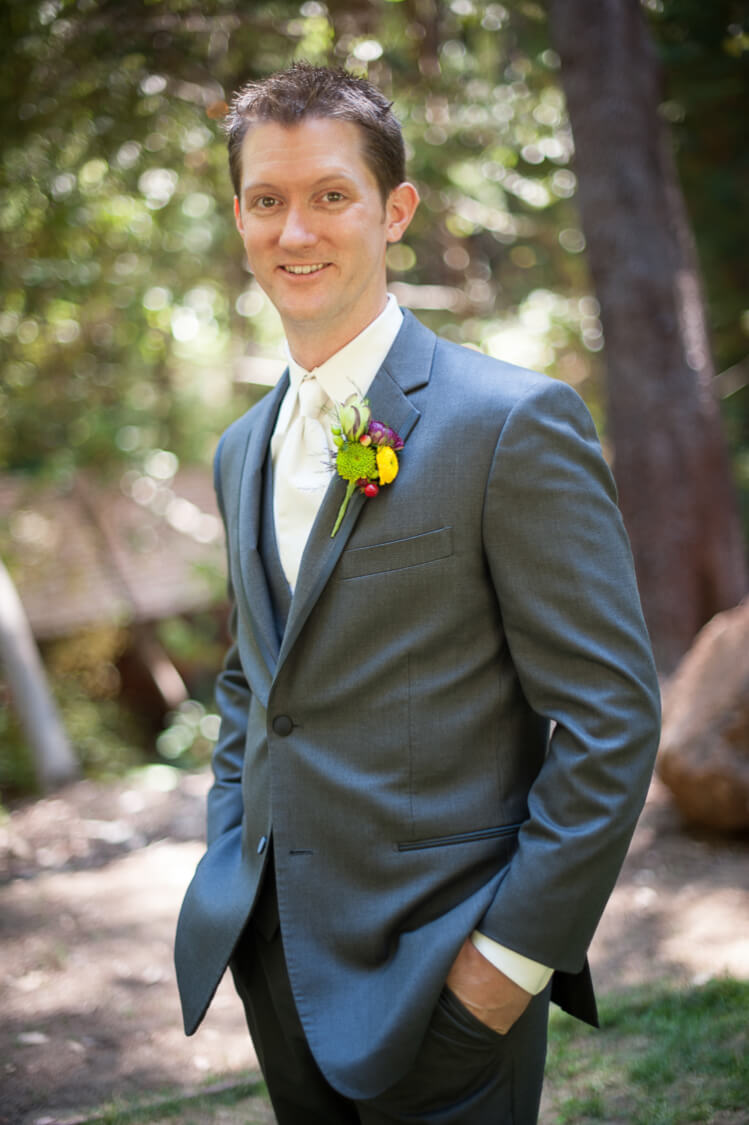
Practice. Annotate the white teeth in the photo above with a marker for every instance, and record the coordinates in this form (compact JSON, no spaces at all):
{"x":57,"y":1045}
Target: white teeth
{"x":305,"y":269}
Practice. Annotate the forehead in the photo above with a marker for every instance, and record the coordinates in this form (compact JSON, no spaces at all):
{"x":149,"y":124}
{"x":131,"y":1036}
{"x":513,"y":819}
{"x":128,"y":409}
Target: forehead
{"x":315,"y":147}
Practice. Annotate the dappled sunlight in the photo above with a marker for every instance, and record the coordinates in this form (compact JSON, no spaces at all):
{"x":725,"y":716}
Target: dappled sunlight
{"x":680,"y":909}
{"x":710,"y":934}
{"x":90,"y":1009}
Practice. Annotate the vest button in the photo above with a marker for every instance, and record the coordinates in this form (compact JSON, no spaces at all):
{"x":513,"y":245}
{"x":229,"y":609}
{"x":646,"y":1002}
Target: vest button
{"x":282,"y":725}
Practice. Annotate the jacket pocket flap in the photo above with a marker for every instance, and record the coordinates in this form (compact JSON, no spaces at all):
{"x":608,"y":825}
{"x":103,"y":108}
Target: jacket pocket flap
{"x":473,"y":837}
{"x":397,"y":554}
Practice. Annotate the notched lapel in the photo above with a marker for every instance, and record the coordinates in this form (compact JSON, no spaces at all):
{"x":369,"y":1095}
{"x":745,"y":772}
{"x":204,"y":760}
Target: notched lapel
{"x":406,"y":367}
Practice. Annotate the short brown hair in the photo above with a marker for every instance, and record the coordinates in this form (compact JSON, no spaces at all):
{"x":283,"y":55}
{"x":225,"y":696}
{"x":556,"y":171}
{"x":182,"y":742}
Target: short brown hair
{"x":303,"y":90}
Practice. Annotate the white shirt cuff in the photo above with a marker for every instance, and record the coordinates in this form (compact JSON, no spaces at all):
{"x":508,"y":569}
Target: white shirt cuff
{"x":530,"y":975}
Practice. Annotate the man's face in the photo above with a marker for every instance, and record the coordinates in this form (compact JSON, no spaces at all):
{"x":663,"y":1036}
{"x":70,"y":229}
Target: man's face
{"x":315,"y":230}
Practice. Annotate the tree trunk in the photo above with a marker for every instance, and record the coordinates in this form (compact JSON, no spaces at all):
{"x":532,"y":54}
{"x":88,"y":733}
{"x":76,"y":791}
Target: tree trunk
{"x":670,"y":460}
{"x":53,"y":758}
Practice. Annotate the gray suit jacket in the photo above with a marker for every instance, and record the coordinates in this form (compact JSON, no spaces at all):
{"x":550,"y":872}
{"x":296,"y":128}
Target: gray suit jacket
{"x":398,"y":743}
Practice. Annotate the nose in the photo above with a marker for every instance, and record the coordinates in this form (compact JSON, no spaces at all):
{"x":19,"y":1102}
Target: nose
{"x":297,"y":232}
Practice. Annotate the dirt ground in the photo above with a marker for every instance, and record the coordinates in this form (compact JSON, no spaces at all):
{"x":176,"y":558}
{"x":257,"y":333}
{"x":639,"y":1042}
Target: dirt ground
{"x":90,"y":885}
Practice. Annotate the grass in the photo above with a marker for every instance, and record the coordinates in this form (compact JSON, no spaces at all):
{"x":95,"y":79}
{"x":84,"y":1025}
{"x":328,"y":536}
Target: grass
{"x":229,"y":1103}
{"x":664,"y":1056}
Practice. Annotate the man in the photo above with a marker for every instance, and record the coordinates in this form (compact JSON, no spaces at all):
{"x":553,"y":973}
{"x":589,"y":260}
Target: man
{"x":399,"y":853}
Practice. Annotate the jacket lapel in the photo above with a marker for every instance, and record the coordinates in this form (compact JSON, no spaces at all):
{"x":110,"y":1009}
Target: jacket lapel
{"x":254,"y":581}
{"x":406,"y":367}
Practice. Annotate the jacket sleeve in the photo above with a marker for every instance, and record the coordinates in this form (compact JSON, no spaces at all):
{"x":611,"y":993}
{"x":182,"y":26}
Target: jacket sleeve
{"x":233,"y":695}
{"x":562,"y":569}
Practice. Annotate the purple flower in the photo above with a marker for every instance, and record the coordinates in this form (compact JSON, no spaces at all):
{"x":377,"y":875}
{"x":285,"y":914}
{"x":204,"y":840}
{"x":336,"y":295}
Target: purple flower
{"x":384,"y":435}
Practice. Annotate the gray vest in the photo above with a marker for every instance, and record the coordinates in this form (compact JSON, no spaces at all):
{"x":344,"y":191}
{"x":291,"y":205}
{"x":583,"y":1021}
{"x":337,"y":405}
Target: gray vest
{"x":280,"y":591}
{"x":265,"y":915}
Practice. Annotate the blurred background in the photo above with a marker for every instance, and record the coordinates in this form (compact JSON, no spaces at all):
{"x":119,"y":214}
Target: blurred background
{"x":583,"y":170}
{"x":584,"y":173}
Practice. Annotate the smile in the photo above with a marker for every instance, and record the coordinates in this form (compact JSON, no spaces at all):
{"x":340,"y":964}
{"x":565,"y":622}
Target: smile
{"x":315,"y":268}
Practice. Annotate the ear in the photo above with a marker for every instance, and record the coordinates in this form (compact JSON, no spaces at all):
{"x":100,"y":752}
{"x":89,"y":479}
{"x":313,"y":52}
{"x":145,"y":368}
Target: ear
{"x":238,"y":216}
{"x":399,"y":210}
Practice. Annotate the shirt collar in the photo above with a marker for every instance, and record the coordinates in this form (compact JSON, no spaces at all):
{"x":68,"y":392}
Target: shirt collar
{"x":352,"y":369}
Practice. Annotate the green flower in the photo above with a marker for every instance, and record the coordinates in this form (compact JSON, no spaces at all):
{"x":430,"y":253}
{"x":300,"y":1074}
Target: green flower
{"x":366,"y":456}
{"x":356,"y":461}
{"x":353,"y":417}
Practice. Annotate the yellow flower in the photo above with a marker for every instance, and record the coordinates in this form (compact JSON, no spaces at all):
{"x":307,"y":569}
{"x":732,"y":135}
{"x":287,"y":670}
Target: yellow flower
{"x":387,"y":464}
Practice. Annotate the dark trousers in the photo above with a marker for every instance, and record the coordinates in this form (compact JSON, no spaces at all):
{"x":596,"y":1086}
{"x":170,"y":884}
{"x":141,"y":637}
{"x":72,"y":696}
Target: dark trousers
{"x":464,"y":1074}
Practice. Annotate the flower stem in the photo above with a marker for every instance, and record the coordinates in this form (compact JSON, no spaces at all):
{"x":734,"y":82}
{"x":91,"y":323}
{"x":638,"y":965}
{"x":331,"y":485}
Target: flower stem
{"x":351,"y":488}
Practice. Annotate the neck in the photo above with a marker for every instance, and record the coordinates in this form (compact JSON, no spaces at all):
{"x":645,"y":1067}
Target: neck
{"x":313,"y":348}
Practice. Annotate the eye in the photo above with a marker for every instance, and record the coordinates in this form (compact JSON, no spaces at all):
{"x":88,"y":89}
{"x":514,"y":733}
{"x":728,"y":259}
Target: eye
{"x":265,"y":202}
{"x":334,"y":196}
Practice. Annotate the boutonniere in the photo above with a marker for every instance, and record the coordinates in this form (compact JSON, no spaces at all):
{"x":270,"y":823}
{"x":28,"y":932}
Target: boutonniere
{"x":367,"y":451}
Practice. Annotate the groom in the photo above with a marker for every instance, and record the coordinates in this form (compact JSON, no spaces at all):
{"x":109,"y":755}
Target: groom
{"x":438,"y":724}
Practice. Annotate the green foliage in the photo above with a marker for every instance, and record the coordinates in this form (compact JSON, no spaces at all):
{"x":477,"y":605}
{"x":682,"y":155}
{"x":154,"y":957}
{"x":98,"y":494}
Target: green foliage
{"x":663,"y":1057}
{"x":107,"y":738}
{"x":195,"y":1110}
{"x":109,"y":735}
{"x":189,"y":735}
{"x":705,"y":51}
{"x":667,"y":1057}
{"x":16,"y":764}
{"x":115,"y":211}
{"x":106,"y":734}
{"x":196,"y":644}
{"x":125,"y":298}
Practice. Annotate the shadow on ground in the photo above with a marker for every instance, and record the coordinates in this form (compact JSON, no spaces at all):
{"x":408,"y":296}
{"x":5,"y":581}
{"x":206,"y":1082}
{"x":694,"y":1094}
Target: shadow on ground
{"x":87,"y":916}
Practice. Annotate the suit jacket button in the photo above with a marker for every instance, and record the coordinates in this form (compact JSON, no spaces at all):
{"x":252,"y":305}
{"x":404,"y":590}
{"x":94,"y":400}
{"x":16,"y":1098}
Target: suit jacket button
{"x":282,"y":725}
{"x":261,"y":844}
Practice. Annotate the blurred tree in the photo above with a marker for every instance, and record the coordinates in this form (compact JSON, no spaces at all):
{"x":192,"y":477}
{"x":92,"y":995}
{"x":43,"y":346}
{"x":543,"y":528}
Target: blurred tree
{"x":124,"y":297}
{"x":671,"y":466}
{"x":489,"y":147}
{"x":705,"y":52}
{"x":54,"y":761}
{"x":704,"y":49}
{"x":119,"y":259}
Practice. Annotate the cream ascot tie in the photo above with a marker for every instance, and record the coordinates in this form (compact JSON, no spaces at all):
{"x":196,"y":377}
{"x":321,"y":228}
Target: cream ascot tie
{"x":302,"y":473}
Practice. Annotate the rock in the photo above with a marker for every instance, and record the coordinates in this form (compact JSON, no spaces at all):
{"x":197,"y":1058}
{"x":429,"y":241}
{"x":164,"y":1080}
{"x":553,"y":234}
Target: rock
{"x":704,"y":752}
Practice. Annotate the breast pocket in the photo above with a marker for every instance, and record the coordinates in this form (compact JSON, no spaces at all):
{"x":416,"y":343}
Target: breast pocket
{"x":398,"y":554}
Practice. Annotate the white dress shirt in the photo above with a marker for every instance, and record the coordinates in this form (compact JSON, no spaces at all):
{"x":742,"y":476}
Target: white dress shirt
{"x":351,"y":371}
